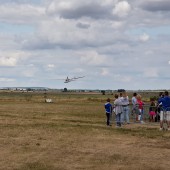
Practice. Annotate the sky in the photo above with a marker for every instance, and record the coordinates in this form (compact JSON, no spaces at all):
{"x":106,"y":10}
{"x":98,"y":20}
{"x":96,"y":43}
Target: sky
{"x":113,"y":43}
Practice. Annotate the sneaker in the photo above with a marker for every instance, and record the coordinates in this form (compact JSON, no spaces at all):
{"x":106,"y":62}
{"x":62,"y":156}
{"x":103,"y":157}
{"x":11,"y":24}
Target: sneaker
{"x":142,"y":122}
{"x":160,"y":129}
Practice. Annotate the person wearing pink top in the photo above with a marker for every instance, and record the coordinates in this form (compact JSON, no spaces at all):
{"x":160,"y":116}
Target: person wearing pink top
{"x":140,"y":104}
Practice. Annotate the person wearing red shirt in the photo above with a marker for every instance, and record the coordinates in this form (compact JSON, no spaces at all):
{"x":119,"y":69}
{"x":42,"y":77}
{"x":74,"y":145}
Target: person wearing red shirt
{"x":140,"y":104}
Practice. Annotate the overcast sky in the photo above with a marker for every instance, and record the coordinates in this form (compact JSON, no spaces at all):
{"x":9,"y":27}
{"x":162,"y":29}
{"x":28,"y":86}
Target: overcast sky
{"x":113,"y":43}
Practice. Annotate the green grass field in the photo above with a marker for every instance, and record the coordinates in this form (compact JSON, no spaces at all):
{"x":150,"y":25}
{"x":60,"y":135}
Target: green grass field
{"x":70,"y":134}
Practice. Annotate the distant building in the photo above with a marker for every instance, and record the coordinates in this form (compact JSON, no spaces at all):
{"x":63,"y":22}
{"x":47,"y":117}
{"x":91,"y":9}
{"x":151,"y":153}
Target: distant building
{"x":121,"y":90}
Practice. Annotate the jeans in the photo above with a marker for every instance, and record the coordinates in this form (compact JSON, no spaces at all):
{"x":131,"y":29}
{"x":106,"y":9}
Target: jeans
{"x":108,"y":116}
{"x":118,"y":119}
{"x":141,"y":113}
{"x":125,"y":114}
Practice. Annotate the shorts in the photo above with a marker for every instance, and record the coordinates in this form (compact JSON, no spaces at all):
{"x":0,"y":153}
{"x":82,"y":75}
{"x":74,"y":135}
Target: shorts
{"x":152,"y":113}
{"x":167,"y":115}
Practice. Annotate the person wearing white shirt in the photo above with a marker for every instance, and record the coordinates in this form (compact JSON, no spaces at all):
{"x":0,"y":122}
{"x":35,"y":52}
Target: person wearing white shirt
{"x":118,"y":110}
{"x":125,"y":105}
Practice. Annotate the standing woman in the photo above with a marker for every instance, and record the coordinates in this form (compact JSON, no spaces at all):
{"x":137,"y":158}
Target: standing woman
{"x":118,"y":110}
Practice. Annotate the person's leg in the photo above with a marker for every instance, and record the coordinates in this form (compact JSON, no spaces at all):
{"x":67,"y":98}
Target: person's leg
{"x":122,"y":116}
{"x":168,"y":119}
{"x":152,"y":118}
{"x":161,"y":120}
{"x":137,"y":114}
{"x":142,"y":115}
{"x":133,"y":113}
{"x":127,"y":114}
{"x":108,"y":118}
{"x":119,"y":118}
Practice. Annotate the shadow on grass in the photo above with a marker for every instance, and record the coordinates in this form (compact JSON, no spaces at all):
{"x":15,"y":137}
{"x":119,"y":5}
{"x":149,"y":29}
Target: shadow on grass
{"x":145,"y":132}
{"x":88,"y":125}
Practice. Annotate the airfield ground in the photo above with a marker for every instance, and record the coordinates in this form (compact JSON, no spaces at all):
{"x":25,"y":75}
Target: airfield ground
{"x":71,"y":134}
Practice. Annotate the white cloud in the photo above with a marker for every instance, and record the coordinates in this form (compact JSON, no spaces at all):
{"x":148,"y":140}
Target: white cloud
{"x":11,"y":13}
{"x":108,"y":2}
{"x":122,"y":9}
{"x":79,"y":70}
{"x":6,"y":80}
{"x":144,"y":37}
{"x":122,"y":78}
{"x":116,"y":24}
{"x":105,"y":72}
{"x":28,"y":73}
{"x":93,"y":58}
{"x":50,"y":65}
{"x":151,"y":72}
{"x":8,"y":61}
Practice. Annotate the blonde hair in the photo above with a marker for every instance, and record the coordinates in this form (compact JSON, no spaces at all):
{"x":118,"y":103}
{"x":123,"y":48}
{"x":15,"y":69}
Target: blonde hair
{"x":124,"y":94}
{"x":139,"y":96}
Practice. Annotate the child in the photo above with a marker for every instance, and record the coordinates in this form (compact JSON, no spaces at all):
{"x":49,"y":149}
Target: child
{"x":118,"y":110}
{"x":108,"y":110}
{"x":140,"y":108}
{"x":152,"y":110}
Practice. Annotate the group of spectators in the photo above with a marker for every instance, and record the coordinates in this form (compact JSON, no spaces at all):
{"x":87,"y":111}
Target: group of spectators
{"x":121,"y":109}
{"x":164,"y":105}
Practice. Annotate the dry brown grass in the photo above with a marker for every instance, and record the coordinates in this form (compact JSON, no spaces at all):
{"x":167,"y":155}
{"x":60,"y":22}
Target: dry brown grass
{"x":71,"y":134}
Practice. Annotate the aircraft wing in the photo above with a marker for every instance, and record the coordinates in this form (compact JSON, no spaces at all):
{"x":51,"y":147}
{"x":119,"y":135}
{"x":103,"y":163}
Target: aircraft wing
{"x":78,"y":77}
{"x":67,"y":81}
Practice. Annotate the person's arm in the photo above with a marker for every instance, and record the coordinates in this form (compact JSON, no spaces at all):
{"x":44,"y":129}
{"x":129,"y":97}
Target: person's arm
{"x":160,"y":100}
{"x":119,"y":102}
{"x":133,"y":101}
{"x":111,"y":107}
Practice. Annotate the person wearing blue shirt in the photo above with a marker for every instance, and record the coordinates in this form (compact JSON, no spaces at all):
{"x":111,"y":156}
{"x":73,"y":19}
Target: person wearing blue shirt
{"x":165,"y":103}
{"x":108,"y":110}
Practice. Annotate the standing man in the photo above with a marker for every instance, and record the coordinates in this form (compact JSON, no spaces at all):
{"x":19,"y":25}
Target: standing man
{"x":165,"y":109}
{"x":134,"y":107}
{"x":125,"y":104}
